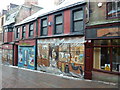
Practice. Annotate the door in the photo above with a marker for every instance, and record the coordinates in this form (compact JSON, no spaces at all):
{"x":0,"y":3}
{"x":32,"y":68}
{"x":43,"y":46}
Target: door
{"x":26,"y":57}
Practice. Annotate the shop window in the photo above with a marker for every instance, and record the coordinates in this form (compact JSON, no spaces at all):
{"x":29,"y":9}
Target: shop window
{"x":102,"y":42}
{"x":77,"y":20}
{"x":116,"y":42}
{"x":106,"y":56}
{"x":17,"y":32}
{"x":44,"y":27}
{"x":115,"y":59}
{"x":113,"y":9}
{"x":31,"y":29}
{"x":102,"y":58}
{"x":23,"y":32}
{"x":58,"y":24}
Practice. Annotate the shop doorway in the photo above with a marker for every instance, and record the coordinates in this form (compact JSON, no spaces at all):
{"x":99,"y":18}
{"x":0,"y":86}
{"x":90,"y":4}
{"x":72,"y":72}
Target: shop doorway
{"x":26,"y":57}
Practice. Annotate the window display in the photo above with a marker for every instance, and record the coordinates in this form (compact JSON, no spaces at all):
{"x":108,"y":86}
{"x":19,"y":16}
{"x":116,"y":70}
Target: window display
{"x":107,"y":55}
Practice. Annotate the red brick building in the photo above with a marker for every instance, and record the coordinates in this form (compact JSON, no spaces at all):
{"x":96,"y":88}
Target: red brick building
{"x":15,"y":14}
{"x":55,"y":37}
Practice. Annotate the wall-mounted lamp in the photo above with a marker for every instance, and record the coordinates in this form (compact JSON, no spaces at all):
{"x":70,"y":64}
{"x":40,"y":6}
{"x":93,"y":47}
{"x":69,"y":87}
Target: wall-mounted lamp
{"x":100,"y":4}
{"x":50,"y":23}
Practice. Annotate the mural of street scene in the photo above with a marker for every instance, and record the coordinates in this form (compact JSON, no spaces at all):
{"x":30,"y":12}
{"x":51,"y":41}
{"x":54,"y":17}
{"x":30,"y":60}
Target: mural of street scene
{"x":61,"y":55}
{"x":7,"y":56}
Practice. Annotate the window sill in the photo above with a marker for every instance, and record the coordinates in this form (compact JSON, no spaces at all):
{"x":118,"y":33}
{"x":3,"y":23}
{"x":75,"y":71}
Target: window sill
{"x":115,"y":73}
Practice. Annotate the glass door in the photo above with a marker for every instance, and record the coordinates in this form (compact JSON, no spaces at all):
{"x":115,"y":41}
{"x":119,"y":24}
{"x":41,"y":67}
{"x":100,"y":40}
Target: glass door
{"x":25,"y":57}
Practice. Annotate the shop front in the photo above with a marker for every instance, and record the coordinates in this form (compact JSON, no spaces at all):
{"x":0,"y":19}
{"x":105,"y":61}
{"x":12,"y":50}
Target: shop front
{"x":26,"y":54}
{"x":65,"y":54}
{"x":7,"y":54}
{"x":104,"y":45}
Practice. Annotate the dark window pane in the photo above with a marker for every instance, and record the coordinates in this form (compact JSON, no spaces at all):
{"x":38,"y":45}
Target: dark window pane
{"x":109,"y":6}
{"x":31,"y":30}
{"x":44,"y":23}
{"x":31,"y":27}
{"x":18,"y":35}
{"x":116,"y":42}
{"x":113,"y":9}
{"x":17,"y":32}
{"x":44,"y":31}
{"x":118,"y":4}
{"x":78,"y":26}
{"x":24,"y":29}
{"x":113,"y":5}
{"x":59,"y":28}
{"x":24,"y":32}
{"x":115,"y":59}
{"x":58,"y":19}
{"x":78,"y":15}
{"x":31,"y":33}
{"x":24,"y":35}
{"x":102,"y":42}
{"x":102,"y":58}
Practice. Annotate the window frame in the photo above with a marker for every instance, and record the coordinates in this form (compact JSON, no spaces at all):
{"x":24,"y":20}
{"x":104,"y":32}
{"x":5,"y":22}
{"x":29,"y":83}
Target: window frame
{"x":72,"y":20}
{"x":107,"y":16}
{"x":41,"y":26}
{"x":31,"y":30}
{"x":17,"y":32}
{"x":55,"y":15}
{"x":111,"y":46}
{"x":23,"y":31}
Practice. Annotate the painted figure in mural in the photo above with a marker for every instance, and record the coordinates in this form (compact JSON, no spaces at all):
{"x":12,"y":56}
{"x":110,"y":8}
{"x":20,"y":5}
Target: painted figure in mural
{"x":31,"y":57}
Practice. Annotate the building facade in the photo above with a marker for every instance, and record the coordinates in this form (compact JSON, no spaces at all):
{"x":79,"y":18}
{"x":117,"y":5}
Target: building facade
{"x":102,"y":49}
{"x":54,"y":41}
{"x":13,"y":16}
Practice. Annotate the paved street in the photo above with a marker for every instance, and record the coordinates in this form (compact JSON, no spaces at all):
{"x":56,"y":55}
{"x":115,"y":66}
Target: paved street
{"x":18,"y":78}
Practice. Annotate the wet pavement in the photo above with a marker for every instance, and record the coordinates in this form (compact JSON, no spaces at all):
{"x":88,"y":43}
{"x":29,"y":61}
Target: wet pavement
{"x":18,"y":78}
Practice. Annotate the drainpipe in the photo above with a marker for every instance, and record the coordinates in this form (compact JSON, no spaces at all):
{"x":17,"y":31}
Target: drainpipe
{"x":13,"y":55}
{"x":36,"y":54}
{"x":36,"y":44}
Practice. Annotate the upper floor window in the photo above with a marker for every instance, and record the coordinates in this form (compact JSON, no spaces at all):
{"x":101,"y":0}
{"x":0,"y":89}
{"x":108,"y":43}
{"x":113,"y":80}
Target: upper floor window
{"x":44,"y":27}
{"x":77,"y":20}
{"x":113,"y":9}
{"x":58,"y":24}
{"x":23,"y":32}
{"x":31,"y":29}
{"x":17,"y":32}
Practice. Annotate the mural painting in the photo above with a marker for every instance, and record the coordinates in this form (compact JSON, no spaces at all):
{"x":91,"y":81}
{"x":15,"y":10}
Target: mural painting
{"x":26,"y":57}
{"x":63,"y":54}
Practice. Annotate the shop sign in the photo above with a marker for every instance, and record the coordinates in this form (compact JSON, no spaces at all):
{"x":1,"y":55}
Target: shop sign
{"x":106,"y":32}
{"x":25,"y":44}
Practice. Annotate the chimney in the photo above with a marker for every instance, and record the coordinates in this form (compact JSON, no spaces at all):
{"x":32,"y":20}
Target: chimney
{"x":29,"y":2}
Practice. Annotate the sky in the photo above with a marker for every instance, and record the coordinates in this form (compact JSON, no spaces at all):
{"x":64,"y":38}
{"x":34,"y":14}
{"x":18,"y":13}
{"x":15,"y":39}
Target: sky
{"x":43,"y":3}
